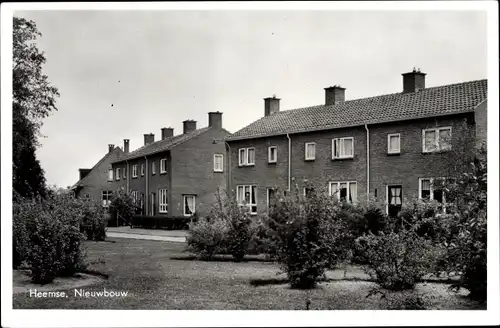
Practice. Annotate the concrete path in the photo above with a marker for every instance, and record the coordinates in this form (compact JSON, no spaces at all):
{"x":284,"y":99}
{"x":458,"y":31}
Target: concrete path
{"x":147,"y":234}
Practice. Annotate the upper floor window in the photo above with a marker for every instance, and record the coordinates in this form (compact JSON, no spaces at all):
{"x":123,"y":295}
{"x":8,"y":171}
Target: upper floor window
{"x":117,"y":173}
{"x":218,"y":163}
{"x":272,"y":154}
{"x":310,"y":151}
{"x":124,"y":172}
{"x":393,"y":143}
{"x":110,"y":175}
{"x":343,"y":147}
{"x":344,"y":190}
{"x":437,"y":139}
{"x":134,"y":171}
{"x":153,"y":168}
{"x":163,"y":165}
{"x":246,"y":156}
{"x":142,"y":169}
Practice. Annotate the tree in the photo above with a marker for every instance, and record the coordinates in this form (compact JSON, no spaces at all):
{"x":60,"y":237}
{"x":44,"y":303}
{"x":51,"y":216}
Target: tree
{"x":33,"y":100}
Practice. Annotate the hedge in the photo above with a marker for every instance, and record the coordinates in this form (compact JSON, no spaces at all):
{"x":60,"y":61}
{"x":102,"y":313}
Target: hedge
{"x":158,"y":222}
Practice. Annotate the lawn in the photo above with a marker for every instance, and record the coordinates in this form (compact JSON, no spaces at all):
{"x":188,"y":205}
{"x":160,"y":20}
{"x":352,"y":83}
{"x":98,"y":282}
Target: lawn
{"x":160,"y":275}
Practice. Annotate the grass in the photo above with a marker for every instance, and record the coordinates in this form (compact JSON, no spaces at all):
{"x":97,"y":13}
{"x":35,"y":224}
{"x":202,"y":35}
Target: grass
{"x":160,"y":275}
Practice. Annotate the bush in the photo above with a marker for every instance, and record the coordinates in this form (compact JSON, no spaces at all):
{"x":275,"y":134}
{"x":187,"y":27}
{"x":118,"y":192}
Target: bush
{"x":94,"y":222}
{"x":261,"y":241}
{"x":160,"y":222}
{"x":397,"y":261}
{"x":122,"y":209}
{"x":207,"y":237}
{"x":309,"y":236}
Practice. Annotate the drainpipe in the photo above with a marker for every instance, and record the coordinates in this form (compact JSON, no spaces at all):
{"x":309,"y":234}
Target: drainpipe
{"x":289,"y":160}
{"x":367,"y":163}
{"x":147,"y":188}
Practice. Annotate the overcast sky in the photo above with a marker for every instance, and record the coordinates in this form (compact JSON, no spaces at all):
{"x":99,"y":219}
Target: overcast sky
{"x":122,"y":74}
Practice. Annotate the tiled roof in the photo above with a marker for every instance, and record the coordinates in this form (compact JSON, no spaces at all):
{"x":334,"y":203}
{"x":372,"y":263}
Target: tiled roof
{"x":435,"y":101}
{"x":162,"y":145}
{"x":82,"y":181}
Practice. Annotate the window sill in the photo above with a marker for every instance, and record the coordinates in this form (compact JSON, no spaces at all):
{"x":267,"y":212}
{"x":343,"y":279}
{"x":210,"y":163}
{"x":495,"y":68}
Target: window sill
{"x":218,"y":171}
{"x":435,"y":152}
{"x":272,"y":163}
{"x":393,"y":154}
{"x":309,"y":159}
{"x":246,"y":165}
{"x":134,"y":177}
{"x":342,"y":158}
{"x":163,"y":173}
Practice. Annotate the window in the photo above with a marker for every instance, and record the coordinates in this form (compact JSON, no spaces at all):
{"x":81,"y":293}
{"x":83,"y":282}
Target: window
{"x":438,"y":139}
{"x":124,"y":172}
{"x":271,"y":196}
{"x":246,"y":156}
{"x":163,"y":165}
{"x":142,"y":170}
{"x":310,"y":151}
{"x":247,"y":196}
{"x":153,"y":168}
{"x":394,"y":200}
{"x":135,"y":196}
{"x":134,"y":171}
{"x":218,"y":162}
{"x":343,"y":147}
{"x":344,"y":191}
{"x":272,"y":154}
{"x":432,"y":188}
{"x":106,"y":198}
{"x":163,"y":200}
{"x":110,"y":175}
{"x":189,"y":205}
{"x":393,"y":143}
{"x":118,"y":173}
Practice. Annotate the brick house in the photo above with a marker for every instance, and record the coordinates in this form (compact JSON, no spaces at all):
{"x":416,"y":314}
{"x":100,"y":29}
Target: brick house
{"x":388,"y":147}
{"x":95,"y":183}
{"x":177,"y":175}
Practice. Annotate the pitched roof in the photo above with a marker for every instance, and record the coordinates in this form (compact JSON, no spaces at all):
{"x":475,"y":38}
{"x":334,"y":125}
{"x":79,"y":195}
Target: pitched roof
{"x":435,"y":101}
{"x":162,"y":145}
{"x":82,"y":181}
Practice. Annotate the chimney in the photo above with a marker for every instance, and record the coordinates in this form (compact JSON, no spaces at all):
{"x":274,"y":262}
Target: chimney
{"x":84,"y":172}
{"x":111,"y":148}
{"x":189,"y":125}
{"x":149,"y":138}
{"x":271,"y":105}
{"x":334,"y":95}
{"x":215,"y":119}
{"x":167,"y":133}
{"x":413,"y":81}
{"x":126,"y":146}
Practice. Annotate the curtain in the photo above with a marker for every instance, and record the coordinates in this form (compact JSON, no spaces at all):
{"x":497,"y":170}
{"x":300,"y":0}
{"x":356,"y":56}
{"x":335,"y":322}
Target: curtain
{"x":430,"y":140}
{"x":333,"y":190}
{"x":251,"y":156}
{"x":394,"y":143}
{"x":395,"y":196}
{"x":347,"y":147}
{"x":445,"y":139}
{"x":311,"y":150}
{"x":353,"y":192}
{"x":189,"y":204}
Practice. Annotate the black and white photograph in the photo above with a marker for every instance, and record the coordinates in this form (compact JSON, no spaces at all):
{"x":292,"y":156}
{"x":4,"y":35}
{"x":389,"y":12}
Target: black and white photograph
{"x":293,"y":159}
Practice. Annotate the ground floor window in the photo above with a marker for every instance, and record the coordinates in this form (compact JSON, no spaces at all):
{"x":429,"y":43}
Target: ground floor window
{"x":271,"y":196}
{"x":344,"y":191}
{"x":247,"y":196}
{"x":432,"y":189}
{"x":106,"y":197}
{"x":189,"y":205}
{"x":394,"y":199}
{"x":163,"y":200}
{"x":135,"y":196}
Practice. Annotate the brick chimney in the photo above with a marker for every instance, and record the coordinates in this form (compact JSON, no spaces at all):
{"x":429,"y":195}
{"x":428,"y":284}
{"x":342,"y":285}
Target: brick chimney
{"x":111,"y":148}
{"x":413,"y":81}
{"x":189,"y":125}
{"x":126,"y":146}
{"x":167,"y":133}
{"x":271,"y":105}
{"x":149,"y":138}
{"x":215,"y":119}
{"x":334,"y":95}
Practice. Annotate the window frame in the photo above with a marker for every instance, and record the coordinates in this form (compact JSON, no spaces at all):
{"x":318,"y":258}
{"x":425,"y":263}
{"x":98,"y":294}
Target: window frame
{"x":163,"y":168}
{"x":342,"y":147}
{"x":248,"y":156}
{"x":267,"y":195}
{"x":162,"y":206}
{"x":249,"y":204}
{"x":431,"y":188}
{"x":348,"y":183}
{"x":117,"y":174}
{"x":439,"y":148}
{"x":153,"y":168}
{"x":243,"y":155}
{"x":184,"y":197}
{"x":387,"y":195}
{"x":124,"y":172}
{"x":134,"y":171}
{"x":269,"y":151}
{"x":111,"y":174}
{"x":398,"y":151}
{"x":108,"y":194}
{"x":307,"y":144}
{"x":221,"y":169}
{"x":142,"y":169}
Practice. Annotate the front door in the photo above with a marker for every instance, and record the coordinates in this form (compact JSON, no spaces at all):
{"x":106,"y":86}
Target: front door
{"x":152,"y":209}
{"x":394,"y":197}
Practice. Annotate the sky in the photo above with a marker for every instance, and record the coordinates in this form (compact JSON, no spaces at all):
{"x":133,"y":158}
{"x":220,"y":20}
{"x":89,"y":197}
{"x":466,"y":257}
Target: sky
{"x":122,"y":74}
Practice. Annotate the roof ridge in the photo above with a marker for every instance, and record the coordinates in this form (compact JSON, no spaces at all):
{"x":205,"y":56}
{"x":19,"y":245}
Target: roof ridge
{"x":96,"y":165}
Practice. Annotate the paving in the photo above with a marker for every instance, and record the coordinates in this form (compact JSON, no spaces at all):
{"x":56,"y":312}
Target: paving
{"x":147,"y":234}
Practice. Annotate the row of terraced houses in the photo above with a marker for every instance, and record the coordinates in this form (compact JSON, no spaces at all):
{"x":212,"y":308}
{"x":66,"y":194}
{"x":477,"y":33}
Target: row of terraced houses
{"x":387,"y":147}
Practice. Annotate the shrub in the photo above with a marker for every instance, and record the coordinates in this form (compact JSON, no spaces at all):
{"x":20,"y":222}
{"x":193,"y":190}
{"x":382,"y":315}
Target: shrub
{"x":94,"y":222}
{"x":308,"y":234}
{"x":122,"y":208}
{"x":399,"y":260}
{"x":238,"y":220}
{"x":207,"y":237}
{"x":261,"y":241}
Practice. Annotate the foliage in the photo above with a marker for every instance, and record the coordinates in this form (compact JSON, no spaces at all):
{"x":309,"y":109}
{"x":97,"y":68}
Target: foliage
{"x":309,"y":235}
{"x":93,"y":223}
{"x":207,"y":237}
{"x":33,"y":100}
{"x":261,"y":241}
{"x":122,"y":207}
{"x":400,"y":300}
{"x":158,"y":222}
{"x":397,"y":260}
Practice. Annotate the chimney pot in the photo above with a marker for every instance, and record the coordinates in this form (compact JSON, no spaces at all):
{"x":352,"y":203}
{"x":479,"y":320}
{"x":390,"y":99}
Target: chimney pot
{"x":167,"y":133}
{"x":334,"y":95}
{"x":271,"y":105}
{"x":215,"y":119}
{"x":413,"y":81}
